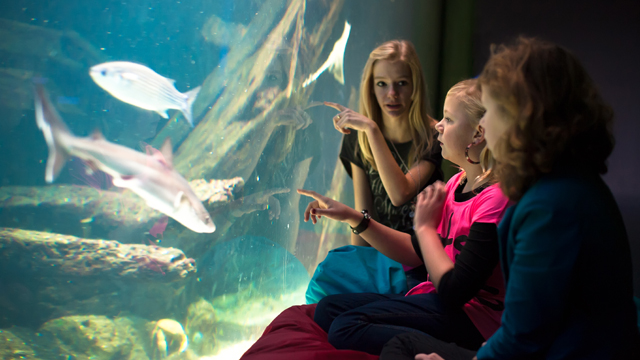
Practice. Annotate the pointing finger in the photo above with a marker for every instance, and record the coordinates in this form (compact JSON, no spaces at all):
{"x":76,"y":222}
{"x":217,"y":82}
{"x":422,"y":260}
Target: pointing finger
{"x":335,"y":106}
{"x":311,"y":194}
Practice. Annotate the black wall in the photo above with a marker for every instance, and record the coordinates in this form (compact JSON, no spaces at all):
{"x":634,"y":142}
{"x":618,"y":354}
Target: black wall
{"x":605,"y":35}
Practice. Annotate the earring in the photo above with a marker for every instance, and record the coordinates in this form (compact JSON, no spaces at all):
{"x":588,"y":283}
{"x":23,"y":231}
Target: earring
{"x":466,"y":155}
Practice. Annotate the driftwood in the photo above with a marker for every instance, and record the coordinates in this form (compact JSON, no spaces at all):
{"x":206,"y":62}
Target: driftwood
{"x":46,"y":255}
{"x":237,"y":125}
{"x":89,"y":212}
{"x":67,"y":48}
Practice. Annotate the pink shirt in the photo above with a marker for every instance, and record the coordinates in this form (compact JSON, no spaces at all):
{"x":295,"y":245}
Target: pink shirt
{"x":485,"y":309}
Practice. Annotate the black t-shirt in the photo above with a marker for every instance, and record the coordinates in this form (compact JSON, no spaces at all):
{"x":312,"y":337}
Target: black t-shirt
{"x":401,"y":217}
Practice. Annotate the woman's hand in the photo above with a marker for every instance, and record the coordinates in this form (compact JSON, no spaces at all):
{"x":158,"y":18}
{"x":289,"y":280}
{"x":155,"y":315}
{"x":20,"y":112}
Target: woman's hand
{"x":432,"y":356}
{"x":429,"y":206}
{"x":349,"y":119}
{"x":324,"y":206}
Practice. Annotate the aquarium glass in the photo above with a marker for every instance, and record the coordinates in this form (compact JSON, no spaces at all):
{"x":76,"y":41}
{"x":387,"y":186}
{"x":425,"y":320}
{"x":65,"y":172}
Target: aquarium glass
{"x":130,"y":129}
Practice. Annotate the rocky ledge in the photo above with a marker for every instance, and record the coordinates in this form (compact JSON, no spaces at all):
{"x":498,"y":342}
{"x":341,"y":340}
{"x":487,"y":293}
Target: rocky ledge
{"x":55,"y":255}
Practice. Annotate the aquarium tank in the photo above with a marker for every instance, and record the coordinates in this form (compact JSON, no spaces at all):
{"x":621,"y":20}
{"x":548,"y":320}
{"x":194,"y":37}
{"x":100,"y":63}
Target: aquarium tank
{"x":150,"y":156}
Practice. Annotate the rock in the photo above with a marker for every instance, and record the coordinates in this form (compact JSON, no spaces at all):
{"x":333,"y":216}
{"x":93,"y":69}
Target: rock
{"x":45,"y":276}
{"x":13,"y":347}
{"x":201,"y":328}
{"x":97,"y":337}
{"x":37,"y":45}
{"x":54,"y":255}
{"x":85,"y":211}
{"x":222,"y":33}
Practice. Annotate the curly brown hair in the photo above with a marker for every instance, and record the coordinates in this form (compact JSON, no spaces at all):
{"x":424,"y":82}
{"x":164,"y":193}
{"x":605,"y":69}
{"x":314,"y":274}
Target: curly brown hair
{"x":560,"y":120}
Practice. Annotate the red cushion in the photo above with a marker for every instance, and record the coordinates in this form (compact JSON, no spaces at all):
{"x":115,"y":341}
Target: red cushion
{"x":294,"y":335}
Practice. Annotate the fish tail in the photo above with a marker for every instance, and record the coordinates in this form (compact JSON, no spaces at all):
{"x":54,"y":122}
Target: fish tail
{"x":53,"y":128}
{"x":337,"y":54}
{"x":191,"y":97}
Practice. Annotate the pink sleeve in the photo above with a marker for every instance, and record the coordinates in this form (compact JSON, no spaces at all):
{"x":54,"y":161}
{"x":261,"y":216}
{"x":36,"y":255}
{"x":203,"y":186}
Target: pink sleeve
{"x":490,"y":205}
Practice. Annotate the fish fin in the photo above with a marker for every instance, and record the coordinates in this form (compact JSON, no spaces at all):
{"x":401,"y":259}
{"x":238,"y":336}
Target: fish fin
{"x":171,"y":80}
{"x":97,"y":135}
{"x":55,"y":163}
{"x":52,"y":126}
{"x":178,"y":199}
{"x":160,"y":155}
{"x":191,"y":97}
{"x":167,"y":152}
{"x":143,"y":146}
{"x":163,"y":113}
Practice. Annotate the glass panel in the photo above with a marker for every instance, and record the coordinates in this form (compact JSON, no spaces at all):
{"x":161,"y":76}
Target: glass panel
{"x":116,"y":257}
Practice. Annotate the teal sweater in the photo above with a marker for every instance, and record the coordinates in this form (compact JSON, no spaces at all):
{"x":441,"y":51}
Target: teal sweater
{"x":567,"y":266}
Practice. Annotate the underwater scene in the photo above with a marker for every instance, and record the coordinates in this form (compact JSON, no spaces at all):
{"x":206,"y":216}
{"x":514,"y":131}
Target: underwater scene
{"x":151,"y":152}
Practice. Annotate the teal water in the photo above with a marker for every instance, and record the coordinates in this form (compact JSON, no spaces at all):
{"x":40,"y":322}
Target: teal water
{"x":87,"y":269}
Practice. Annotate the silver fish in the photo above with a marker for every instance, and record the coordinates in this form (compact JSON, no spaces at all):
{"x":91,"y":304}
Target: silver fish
{"x":335,"y":61}
{"x":138,"y":85}
{"x":151,"y":177}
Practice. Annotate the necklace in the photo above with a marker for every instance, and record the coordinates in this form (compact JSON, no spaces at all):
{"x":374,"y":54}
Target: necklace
{"x":413,"y":202}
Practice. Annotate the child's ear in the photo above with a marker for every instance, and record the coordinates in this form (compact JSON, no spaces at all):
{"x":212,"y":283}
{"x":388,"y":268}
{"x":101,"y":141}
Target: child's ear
{"x":479,"y":136}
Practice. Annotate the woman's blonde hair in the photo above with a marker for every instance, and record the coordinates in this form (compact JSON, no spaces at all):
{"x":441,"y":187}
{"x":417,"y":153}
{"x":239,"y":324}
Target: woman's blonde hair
{"x":422,"y":131}
{"x":469,"y":94}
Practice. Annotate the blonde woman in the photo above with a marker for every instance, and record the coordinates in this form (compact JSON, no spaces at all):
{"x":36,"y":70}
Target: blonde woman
{"x":388,"y":151}
{"x":388,"y":145}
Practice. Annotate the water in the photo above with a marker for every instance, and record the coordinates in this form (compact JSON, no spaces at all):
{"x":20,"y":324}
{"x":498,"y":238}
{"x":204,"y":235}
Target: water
{"x":88,"y":270}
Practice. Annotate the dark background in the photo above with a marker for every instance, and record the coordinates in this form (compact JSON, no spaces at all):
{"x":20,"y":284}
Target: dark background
{"x":605,"y":35}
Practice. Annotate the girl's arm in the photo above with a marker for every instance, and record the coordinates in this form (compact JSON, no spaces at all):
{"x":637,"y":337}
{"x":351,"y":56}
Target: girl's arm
{"x":459,"y":282}
{"x":363,"y":198}
{"x":428,"y":217}
{"x":400,"y":187}
{"x":392,"y":243}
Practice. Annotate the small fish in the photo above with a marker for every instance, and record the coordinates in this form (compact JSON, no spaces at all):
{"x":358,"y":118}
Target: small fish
{"x":159,"y":227}
{"x":138,"y":85}
{"x":153,"y":178}
{"x":335,"y":61}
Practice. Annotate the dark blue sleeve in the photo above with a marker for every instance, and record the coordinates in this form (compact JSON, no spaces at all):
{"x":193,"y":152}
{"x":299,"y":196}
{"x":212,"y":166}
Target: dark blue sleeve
{"x":545,"y":243}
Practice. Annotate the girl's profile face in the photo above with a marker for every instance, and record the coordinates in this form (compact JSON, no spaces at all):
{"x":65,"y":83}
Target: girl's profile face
{"x":455,"y":131}
{"x":393,"y":86}
{"x":495,"y":122}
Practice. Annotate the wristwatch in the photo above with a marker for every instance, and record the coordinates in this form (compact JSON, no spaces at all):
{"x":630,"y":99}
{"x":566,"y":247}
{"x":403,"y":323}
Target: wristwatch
{"x":364,"y":224}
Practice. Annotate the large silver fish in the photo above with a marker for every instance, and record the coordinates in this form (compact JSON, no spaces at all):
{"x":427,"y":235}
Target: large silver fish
{"x":152,"y":177}
{"x":138,"y":85}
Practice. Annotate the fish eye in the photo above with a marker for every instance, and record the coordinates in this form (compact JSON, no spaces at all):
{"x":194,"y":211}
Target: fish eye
{"x":103,"y":72}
